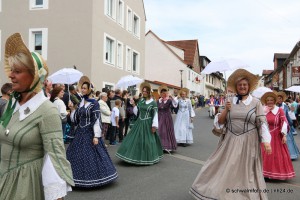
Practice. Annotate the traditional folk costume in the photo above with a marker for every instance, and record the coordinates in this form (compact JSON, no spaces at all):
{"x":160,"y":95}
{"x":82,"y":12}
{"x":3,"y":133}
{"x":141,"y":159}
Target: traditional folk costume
{"x":278,"y":165}
{"x":33,"y":163}
{"x":141,"y":146}
{"x":211,"y":103}
{"x":91,"y":164}
{"x":183,"y":126}
{"x":236,"y":164}
{"x":292,"y":146}
{"x":165,"y":122}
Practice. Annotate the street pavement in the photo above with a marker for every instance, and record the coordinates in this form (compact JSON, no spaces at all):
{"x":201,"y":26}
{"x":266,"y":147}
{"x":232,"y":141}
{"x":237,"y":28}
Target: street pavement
{"x":172,"y":177}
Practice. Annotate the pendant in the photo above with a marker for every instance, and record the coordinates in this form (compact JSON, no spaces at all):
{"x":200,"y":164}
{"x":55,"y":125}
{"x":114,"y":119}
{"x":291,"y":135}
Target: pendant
{"x":26,"y":111}
{"x":6,"y":132}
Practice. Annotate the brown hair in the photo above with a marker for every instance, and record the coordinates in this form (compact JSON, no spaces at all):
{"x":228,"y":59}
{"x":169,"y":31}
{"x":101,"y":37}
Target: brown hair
{"x":124,"y":93}
{"x":55,"y":93}
{"x":148,"y":89}
{"x":6,"y":88}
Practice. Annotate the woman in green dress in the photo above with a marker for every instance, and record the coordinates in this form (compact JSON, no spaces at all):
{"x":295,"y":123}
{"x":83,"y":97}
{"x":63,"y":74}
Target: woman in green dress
{"x":33,"y":163}
{"x":142,"y":145}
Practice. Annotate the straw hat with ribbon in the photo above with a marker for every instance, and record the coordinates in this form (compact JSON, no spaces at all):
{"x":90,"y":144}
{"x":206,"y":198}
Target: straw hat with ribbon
{"x":145,"y":84}
{"x":14,"y":47}
{"x":282,"y":95}
{"x":187,"y":91}
{"x":264,"y":97}
{"x":162,"y":87}
{"x":84,"y":79}
{"x":240,"y":74}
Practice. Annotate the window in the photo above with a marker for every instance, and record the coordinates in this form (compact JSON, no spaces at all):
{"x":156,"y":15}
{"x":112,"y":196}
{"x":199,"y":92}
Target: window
{"x":110,"y":8}
{"x":108,"y":85}
{"x":128,"y":58}
{"x":135,"y":62}
{"x":38,"y":4}
{"x":189,"y":77}
{"x":109,"y":50}
{"x":129,"y":19}
{"x":38,"y":41}
{"x":120,"y":13}
{"x":136,"y":25}
{"x":0,"y":7}
{"x":120,"y":55}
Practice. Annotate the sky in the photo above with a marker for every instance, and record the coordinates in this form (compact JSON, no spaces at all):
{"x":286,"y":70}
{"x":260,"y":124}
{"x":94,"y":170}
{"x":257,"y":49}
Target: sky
{"x":249,"y":30}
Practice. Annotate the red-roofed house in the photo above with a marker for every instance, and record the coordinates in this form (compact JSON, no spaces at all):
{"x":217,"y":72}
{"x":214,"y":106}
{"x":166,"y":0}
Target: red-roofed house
{"x":172,"y":62}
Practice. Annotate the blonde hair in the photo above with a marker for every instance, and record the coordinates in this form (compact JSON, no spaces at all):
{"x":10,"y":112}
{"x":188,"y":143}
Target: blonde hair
{"x":21,"y":59}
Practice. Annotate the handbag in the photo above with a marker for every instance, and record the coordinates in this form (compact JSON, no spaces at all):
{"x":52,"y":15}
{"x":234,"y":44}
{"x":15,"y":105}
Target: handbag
{"x":191,"y":126}
{"x":218,"y":131}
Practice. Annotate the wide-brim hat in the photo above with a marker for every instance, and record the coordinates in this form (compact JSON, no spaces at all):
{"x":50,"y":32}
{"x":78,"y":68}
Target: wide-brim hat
{"x":282,"y":94}
{"x":84,"y":79}
{"x":187,"y":91}
{"x":240,"y":74}
{"x":15,"y":45}
{"x":145,"y":84}
{"x":266,"y":95}
{"x":160,"y":88}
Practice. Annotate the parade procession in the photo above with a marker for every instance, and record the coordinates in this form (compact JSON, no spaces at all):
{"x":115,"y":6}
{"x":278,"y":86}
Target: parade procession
{"x":95,"y":104}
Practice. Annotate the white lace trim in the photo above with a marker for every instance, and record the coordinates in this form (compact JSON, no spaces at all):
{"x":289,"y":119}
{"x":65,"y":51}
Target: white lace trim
{"x":56,"y":191}
{"x":54,"y":186}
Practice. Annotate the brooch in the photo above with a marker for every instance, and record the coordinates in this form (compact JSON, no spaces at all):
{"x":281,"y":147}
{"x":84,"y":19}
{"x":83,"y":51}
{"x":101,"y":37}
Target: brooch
{"x":26,"y":111}
{"x":6,"y":132}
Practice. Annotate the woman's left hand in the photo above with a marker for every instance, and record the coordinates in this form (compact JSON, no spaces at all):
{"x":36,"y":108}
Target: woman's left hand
{"x":95,"y":141}
{"x":268,"y":148}
{"x":153,"y":129}
{"x":284,"y":139}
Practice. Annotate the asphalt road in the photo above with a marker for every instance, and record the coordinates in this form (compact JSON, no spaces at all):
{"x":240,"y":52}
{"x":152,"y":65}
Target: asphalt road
{"x":171,"y":178}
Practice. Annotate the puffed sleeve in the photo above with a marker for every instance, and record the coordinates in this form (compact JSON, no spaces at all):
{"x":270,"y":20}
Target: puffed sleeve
{"x":154,"y":115}
{"x":96,"y":118}
{"x":191,"y":110}
{"x":262,"y":124}
{"x":51,"y":132}
{"x":284,"y":122}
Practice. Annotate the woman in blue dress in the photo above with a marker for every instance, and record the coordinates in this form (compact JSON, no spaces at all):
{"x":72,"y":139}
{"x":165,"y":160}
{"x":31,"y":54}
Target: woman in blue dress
{"x":184,"y":120}
{"x":142,"y":145}
{"x":90,"y":161}
{"x":292,"y":146}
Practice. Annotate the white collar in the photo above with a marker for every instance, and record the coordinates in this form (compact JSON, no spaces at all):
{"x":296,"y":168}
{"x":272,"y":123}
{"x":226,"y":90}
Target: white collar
{"x":31,"y":105}
{"x":148,"y":101}
{"x":275,"y":110}
{"x":84,"y":104}
{"x":161,"y":100}
{"x":246,"y":102}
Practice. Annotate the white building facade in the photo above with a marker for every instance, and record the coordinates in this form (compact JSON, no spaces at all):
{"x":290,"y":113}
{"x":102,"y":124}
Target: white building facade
{"x":164,"y":63}
{"x":104,"y":39}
